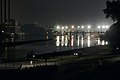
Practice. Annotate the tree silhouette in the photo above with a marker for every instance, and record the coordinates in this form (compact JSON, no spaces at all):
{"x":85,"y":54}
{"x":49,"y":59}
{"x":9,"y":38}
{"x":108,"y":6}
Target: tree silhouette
{"x":113,"y":10}
{"x":113,"y":35}
{"x":0,"y":40}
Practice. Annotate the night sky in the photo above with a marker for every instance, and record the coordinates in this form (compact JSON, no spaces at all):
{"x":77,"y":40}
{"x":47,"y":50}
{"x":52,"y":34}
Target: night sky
{"x":63,"y":12}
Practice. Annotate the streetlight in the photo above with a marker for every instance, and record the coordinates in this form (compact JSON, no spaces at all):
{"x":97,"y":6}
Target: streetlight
{"x":89,"y":27}
{"x":82,"y":27}
{"x":107,"y":26}
{"x":58,"y":27}
{"x":99,"y":27}
{"x":66,"y":27}
{"x":78,"y":26}
{"x":72,"y":27}
{"x":63,"y":27}
{"x":103,"y":26}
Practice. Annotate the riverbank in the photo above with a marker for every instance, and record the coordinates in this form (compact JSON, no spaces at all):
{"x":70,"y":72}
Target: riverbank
{"x":100,"y":64}
{"x":62,"y":57}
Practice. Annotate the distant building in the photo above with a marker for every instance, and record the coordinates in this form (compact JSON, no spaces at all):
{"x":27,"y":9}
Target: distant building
{"x":9,"y":29}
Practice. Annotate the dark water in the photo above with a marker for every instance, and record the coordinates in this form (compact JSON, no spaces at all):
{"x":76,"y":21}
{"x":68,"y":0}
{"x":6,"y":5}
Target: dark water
{"x":60,"y":43}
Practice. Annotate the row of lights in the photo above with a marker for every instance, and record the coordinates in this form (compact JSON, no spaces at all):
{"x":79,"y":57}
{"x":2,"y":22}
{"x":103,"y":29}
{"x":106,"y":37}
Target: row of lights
{"x":103,"y":27}
{"x":66,"y":27}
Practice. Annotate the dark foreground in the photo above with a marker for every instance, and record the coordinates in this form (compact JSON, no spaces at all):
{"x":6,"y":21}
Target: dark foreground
{"x":106,"y":67}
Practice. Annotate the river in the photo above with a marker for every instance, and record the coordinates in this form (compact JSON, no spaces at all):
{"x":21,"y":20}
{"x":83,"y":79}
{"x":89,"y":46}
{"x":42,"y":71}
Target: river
{"x":59,"y":43}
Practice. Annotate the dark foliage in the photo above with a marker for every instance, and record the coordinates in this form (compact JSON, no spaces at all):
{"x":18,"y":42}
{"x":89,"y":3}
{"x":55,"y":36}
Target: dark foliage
{"x":113,"y":11}
{"x":0,"y":40}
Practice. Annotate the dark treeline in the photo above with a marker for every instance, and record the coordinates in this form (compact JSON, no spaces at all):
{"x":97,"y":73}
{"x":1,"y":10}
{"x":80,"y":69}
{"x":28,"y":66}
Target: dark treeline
{"x":113,"y":35}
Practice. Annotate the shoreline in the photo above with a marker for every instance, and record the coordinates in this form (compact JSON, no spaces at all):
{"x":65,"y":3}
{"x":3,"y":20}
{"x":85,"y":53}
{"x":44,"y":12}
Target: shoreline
{"x":85,"y":51}
{"x":62,"y":57}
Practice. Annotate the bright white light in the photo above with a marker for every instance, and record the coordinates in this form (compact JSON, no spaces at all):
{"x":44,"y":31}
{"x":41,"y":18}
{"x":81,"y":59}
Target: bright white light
{"x":72,"y":41}
{"x":99,"y":27}
{"x":107,"y":27}
{"x":89,"y":26}
{"x":31,"y":62}
{"x":33,"y":55}
{"x":82,"y":42}
{"x":106,"y":43}
{"x":2,"y":31}
{"x":82,"y":26}
{"x":103,"y":26}
{"x":66,"y":27}
{"x":98,"y":41}
{"x":58,"y":27}
{"x":62,"y":27}
{"x":62,"y":41}
{"x":75,"y":54}
{"x":58,"y":41}
{"x":88,"y":42}
{"x":72,"y":26}
{"x":103,"y":42}
{"x":117,"y":48}
{"x":78,"y":26}
{"x":78,"y":41}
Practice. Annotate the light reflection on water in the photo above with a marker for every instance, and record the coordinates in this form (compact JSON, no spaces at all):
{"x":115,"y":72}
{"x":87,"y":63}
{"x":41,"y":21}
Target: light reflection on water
{"x":103,"y":42}
{"x":66,"y":40}
{"x":88,"y":43}
{"x":98,"y":41}
{"x":61,"y":43}
{"x":72,"y":40}
{"x":57,"y":40}
{"x":82,"y":42}
{"x":78,"y":41}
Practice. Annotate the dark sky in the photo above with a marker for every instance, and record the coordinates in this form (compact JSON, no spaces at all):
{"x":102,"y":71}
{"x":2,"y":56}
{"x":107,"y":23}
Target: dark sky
{"x":59,"y":11}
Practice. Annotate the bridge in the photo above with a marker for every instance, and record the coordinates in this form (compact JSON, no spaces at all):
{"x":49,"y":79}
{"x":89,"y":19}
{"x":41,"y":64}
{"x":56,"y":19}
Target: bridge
{"x":83,"y":31}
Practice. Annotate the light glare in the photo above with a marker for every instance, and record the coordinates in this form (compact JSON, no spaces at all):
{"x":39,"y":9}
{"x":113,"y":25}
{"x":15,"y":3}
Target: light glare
{"x":78,"y":26}
{"x":2,"y":31}
{"x":82,"y":26}
{"x":99,"y":27}
{"x":58,"y":27}
{"x":103,"y":26}
{"x":89,"y":26}
{"x":66,"y":27}
{"x":107,"y":27}
{"x":62,"y":27}
{"x":72,"y":26}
